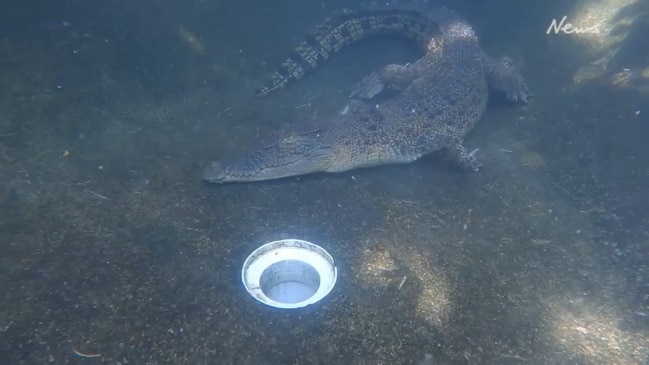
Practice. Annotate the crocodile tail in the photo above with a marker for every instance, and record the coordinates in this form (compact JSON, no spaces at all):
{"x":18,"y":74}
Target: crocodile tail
{"x":347,"y":28}
{"x":433,"y":10}
{"x":449,"y":22}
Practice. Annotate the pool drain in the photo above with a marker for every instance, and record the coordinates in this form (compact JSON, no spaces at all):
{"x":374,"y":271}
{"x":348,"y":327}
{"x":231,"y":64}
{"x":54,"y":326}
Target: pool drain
{"x":289,"y":273}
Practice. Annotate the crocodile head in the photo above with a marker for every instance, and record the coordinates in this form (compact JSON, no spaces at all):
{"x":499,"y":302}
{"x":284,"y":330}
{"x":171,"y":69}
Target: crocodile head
{"x":289,"y":154}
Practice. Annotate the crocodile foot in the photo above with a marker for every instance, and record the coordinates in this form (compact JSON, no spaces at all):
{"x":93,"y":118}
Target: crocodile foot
{"x":464,"y":158}
{"x":392,"y":77}
{"x":368,"y":87}
{"x":505,"y":76}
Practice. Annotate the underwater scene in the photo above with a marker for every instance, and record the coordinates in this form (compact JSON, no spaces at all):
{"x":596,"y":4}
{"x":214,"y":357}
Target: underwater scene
{"x":324,"y":182}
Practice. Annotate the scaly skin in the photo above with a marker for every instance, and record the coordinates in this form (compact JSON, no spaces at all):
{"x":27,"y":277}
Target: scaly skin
{"x":413,"y":20}
{"x":335,"y":34}
{"x":433,"y":112}
{"x":440,"y":98}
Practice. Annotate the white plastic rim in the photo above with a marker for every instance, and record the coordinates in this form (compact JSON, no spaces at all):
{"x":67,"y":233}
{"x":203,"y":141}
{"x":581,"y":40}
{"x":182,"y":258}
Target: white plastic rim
{"x":289,"y":273}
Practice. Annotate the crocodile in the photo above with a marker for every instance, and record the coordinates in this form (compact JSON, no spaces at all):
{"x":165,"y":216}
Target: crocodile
{"x":416,"y":20}
{"x":439,"y":99}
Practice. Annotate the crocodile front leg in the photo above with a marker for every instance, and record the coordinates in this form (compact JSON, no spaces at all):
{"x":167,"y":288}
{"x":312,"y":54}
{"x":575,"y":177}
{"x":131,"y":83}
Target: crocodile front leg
{"x":463,"y":157}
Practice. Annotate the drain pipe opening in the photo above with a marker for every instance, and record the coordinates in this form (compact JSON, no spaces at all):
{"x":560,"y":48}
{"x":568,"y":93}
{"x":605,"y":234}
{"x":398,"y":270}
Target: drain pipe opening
{"x":289,"y":273}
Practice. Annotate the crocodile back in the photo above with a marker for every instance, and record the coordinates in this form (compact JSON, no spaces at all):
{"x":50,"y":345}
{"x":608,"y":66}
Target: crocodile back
{"x":434,"y":112}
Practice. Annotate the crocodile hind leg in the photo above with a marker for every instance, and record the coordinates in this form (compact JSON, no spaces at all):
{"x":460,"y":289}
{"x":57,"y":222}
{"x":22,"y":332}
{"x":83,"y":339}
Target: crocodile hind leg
{"x":397,"y":78}
{"x":392,"y":77}
{"x":504,"y":75}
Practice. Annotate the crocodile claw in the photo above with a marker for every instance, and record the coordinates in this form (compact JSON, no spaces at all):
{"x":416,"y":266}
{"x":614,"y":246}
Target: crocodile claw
{"x":504,"y":75}
{"x":519,"y":91}
{"x":464,"y":158}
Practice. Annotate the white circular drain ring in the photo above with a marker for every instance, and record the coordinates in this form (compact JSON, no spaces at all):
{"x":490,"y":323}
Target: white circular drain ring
{"x":280,"y":274}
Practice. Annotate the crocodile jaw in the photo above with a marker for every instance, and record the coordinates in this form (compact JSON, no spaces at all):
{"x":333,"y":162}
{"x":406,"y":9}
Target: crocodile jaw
{"x":245,"y":170}
{"x":298,"y":150}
